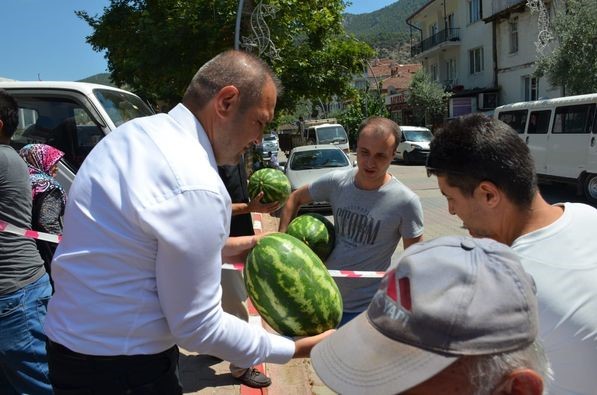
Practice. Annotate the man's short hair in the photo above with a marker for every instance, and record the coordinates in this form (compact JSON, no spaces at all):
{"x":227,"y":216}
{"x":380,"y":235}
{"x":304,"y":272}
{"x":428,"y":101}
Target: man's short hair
{"x":241,"y":69}
{"x":9,"y":113}
{"x":382,"y":126}
{"x":485,"y":372}
{"x":476,"y":148}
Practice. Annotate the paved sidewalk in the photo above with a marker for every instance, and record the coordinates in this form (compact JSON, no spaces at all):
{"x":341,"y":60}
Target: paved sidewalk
{"x":206,"y":375}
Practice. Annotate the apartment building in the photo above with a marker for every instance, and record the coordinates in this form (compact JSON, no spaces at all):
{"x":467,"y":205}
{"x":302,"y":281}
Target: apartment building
{"x":482,"y":51}
{"x":516,"y":32}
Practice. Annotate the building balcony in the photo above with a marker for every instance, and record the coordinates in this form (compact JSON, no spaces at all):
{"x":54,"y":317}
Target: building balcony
{"x":450,"y":35}
{"x":502,"y":8}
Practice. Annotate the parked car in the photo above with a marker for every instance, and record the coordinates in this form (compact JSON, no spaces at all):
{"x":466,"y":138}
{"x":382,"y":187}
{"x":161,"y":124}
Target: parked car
{"x":269,"y":145}
{"x":307,"y":163}
{"x":414,"y":144}
{"x":71,"y":116}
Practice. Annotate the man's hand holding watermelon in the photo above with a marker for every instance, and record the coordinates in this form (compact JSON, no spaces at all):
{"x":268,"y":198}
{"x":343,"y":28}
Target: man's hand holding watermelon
{"x":305,"y":344}
{"x":255,"y":205}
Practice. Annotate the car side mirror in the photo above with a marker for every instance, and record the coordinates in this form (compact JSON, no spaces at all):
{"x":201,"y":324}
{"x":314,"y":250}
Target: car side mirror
{"x":354,"y":163}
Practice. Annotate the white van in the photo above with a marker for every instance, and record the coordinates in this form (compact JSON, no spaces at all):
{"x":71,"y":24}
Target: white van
{"x":328,"y":133}
{"x":72,"y":116}
{"x":562,"y":137}
{"x":414,"y":144}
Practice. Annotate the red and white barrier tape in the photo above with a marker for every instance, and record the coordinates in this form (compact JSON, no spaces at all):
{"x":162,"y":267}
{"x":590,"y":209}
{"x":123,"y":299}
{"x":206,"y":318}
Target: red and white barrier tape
{"x":333,"y":273}
{"x":8,"y":228}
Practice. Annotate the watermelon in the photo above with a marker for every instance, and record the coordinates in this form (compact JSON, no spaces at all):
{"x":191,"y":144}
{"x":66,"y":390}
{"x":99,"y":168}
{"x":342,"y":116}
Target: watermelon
{"x":273,"y":183}
{"x":290,"y":287}
{"x":316,"y":231}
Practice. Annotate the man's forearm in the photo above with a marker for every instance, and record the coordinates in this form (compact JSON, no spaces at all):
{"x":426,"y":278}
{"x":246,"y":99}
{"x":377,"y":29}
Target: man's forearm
{"x":240,"y":208}
{"x":295,"y":201}
{"x":285,"y":216}
{"x":288,"y":212}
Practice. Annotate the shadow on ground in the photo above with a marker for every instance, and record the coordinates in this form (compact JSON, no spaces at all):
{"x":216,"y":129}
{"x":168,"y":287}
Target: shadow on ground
{"x":198,"y":372}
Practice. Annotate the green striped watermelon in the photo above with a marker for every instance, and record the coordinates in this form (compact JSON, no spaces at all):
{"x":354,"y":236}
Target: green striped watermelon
{"x":273,"y":183}
{"x":314,"y":230}
{"x":290,"y":287}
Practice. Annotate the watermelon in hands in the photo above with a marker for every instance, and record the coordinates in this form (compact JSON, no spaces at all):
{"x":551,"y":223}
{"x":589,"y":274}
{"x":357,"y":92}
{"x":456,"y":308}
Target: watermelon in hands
{"x":316,"y":231}
{"x":291,"y":288}
{"x":272,"y":182}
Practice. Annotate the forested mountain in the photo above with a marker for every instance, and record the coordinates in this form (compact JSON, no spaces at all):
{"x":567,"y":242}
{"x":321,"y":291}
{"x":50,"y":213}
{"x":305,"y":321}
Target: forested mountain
{"x":386,"y":29}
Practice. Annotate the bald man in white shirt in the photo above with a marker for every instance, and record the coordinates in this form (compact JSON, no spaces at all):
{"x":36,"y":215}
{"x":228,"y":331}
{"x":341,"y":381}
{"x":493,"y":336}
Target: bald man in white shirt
{"x":145,"y":231}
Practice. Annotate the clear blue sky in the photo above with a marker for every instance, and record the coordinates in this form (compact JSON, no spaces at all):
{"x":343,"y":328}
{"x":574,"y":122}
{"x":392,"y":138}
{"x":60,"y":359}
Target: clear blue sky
{"x":44,"y":39}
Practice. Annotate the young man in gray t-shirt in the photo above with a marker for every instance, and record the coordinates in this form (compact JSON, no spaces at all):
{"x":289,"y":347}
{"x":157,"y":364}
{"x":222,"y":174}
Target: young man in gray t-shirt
{"x":372,"y":212}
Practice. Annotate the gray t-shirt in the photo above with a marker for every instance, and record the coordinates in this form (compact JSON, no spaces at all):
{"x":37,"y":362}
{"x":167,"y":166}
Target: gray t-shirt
{"x":368,"y":225}
{"x":20,"y":263}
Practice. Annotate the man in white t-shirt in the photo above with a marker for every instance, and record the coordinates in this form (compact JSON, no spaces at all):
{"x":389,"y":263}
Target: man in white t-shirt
{"x":487,"y":175}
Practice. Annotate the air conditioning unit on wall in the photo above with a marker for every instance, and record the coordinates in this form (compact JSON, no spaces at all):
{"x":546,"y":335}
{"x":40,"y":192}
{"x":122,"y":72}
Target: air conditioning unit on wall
{"x":487,"y":100}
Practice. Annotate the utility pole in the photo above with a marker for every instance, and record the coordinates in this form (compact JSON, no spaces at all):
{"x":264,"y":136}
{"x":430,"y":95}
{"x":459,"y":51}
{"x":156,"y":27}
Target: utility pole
{"x":239,"y":13}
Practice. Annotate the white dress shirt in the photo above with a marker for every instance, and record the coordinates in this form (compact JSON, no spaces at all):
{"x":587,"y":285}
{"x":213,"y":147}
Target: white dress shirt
{"x":138,"y":269}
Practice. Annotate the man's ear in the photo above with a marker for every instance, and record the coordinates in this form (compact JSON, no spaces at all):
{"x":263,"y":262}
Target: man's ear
{"x":521,"y":382}
{"x":226,"y":100}
{"x":490,"y":193}
{"x":1,"y":126}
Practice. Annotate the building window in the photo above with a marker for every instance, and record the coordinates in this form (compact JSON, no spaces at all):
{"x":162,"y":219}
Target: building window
{"x":531,"y":88}
{"x":451,"y":71}
{"x":433,"y":29}
{"x":433,"y":72}
{"x":433,"y":32}
{"x":451,"y":24}
{"x":513,"y":35}
{"x":451,"y":27}
{"x":476,"y":60}
{"x":474,"y":10}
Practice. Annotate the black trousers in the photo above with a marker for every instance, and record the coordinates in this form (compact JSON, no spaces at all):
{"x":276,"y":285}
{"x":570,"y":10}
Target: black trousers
{"x":72,"y":373}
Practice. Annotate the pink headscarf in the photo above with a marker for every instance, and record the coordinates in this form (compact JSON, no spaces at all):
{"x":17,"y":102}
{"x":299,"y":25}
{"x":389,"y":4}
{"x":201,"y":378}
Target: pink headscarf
{"x":40,"y":159}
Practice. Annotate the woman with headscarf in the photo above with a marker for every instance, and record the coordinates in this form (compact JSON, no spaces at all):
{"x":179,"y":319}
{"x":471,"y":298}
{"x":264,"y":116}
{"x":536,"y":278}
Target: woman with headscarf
{"x":49,"y":198}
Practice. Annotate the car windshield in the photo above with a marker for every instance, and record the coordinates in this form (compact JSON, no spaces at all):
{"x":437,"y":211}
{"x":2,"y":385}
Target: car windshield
{"x":331,"y":134}
{"x":418,"y":136}
{"x":318,"y":159}
{"x":269,"y":138}
{"x":121,"y":106}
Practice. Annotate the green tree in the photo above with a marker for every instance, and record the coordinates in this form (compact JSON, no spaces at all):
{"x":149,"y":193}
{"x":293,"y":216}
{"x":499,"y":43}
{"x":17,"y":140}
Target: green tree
{"x":573,"y":62}
{"x":363,"y":105}
{"x":155,"y":46}
{"x":427,"y":99}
